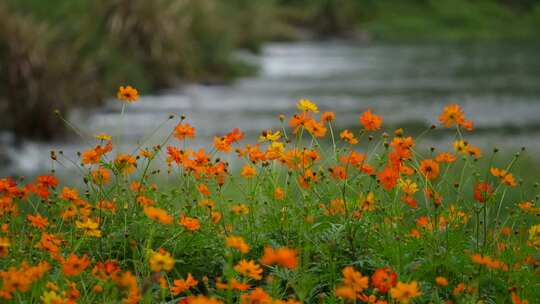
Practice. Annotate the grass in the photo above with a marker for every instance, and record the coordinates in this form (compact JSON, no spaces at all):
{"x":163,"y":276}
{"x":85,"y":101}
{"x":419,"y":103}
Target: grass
{"x":309,"y":216}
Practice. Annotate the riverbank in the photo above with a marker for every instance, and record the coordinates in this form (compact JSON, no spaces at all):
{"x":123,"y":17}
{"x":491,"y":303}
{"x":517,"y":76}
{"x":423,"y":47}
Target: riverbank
{"x":497,"y":83}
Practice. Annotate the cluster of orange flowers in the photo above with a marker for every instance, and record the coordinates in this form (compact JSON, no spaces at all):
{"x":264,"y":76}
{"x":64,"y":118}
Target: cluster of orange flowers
{"x":124,"y":200}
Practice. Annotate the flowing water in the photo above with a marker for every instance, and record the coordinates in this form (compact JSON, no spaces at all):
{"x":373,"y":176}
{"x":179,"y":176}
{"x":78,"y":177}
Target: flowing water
{"x":497,"y":84}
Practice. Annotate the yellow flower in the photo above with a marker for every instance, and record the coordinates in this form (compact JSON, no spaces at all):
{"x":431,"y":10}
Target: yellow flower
{"x":161,"y":261}
{"x":91,"y":228}
{"x":103,"y":136}
{"x":307,"y":106}
{"x":408,"y":186}
{"x":368,"y":203}
{"x":461,"y":146}
{"x":405,"y":292}
{"x":268,"y":135}
{"x":51,"y":297}
{"x":534,"y":235}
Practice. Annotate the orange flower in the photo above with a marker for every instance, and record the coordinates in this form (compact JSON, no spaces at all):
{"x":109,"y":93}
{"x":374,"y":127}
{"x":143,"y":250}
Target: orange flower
{"x":328,"y":116}
{"x":127,"y":94}
{"x":348,"y":136}
{"x":69,"y":194}
{"x":482,"y":192}
{"x":505,"y":177}
{"x":338,"y":172}
{"x":441,"y":281}
{"x":38,"y":221}
{"x":4,"y":246}
{"x":370,"y":121}
{"x":405,"y":292}
{"x":179,"y":286}
{"x":190,"y":223}
{"x":73,"y":265}
{"x":307,"y":178}
{"x":203,"y":190}
{"x":183,"y":131}
{"x":429,"y":168}
{"x":237,"y":243}
{"x":315,"y":128}
{"x":282,"y":256}
{"x":248,"y":171}
{"x":249,"y":269}
{"x":256,"y":296}
{"x":125,"y":163}
{"x":101,"y":176}
{"x":354,"y":284}
{"x":279,"y":194}
{"x":445,"y":158}
{"x":159,"y":215}
{"x":383,"y":279}
{"x":388,"y":178}
{"x":452,"y":115}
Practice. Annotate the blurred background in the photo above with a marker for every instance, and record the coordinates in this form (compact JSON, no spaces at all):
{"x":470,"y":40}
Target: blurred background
{"x":240,"y":63}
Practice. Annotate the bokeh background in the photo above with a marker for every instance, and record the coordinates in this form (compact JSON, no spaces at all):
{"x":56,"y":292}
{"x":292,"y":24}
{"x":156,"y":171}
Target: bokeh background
{"x":240,"y":63}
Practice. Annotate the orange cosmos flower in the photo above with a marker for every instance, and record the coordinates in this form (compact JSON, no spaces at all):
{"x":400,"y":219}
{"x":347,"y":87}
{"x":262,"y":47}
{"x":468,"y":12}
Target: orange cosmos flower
{"x":338,"y":172}
{"x":307,"y":178}
{"x":370,"y":121}
{"x":49,"y":181}
{"x":4,"y":246}
{"x":482,"y":192}
{"x":256,"y":296}
{"x":388,"y":178}
{"x":69,"y":194}
{"x":190,"y":223}
{"x":429,"y":168}
{"x":248,"y":171}
{"x":158,"y":215}
{"x":328,"y":116}
{"x":445,"y":158}
{"x":441,"y":281}
{"x":127,"y":94}
{"x":101,"y":176}
{"x":179,"y":286}
{"x":505,"y":177}
{"x":183,"y":131}
{"x":383,"y":279}
{"x":38,"y":221}
{"x":315,"y":128}
{"x":203,"y":190}
{"x":282,"y":256}
{"x":249,"y":269}
{"x":237,"y":243}
{"x":405,"y":292}
{"x":73,"y":265}
{"x":279,"y":194}
{"x":517,"y":300}
{"x":125,"y":163}
{"x":452,"y":115}
{"x":348,"y":136}
{"x":240,"y":209}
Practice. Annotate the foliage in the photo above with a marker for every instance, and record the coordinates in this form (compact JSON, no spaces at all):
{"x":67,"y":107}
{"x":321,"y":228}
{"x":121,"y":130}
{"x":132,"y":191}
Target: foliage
{"x":314,"y":215}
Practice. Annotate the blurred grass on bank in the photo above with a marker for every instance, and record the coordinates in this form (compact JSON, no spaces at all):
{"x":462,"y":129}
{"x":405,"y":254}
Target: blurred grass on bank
{"x":60,"y":54}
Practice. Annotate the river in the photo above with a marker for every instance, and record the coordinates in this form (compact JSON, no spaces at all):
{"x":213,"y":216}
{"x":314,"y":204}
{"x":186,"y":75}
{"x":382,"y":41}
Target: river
{"x":497,"y":84}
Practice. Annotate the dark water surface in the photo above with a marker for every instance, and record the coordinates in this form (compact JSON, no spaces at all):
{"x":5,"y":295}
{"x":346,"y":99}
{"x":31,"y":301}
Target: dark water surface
{"x":497,"y":84}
